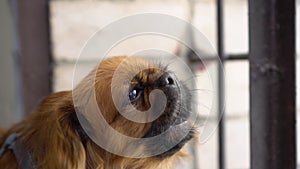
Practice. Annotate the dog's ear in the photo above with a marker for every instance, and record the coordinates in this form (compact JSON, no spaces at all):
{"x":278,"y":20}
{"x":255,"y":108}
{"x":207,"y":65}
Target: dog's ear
{"x":69,"y":147}
{"x":93,"y":157}
{"x":50,"y":135}
{"x":94,"y":154}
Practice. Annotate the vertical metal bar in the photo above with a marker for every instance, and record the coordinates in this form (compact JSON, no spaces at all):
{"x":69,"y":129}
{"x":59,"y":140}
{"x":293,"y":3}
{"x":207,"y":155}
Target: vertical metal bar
{"x":35,"y":53}
{"x":220,"y":47}
{"x":272,"y":84}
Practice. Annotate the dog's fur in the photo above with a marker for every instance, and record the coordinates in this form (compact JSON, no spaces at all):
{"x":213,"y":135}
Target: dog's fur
{"x":49,"y":131}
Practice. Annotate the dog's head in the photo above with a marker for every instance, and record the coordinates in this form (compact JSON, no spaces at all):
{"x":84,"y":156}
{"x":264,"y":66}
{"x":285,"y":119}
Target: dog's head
{"x":127,"y":85}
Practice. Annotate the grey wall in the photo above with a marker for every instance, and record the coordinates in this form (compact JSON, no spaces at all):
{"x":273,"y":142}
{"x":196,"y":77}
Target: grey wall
{"x":9,"y":106}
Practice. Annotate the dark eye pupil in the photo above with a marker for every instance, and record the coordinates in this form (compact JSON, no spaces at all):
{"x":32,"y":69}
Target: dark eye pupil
{"x":133,"y":94}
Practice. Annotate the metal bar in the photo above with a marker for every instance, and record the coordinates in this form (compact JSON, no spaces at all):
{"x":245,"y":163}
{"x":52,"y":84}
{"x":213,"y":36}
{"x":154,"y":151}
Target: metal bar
{"x":233,"y":57}
{"x":35,"y":53}
{"x":220,"y":47}
{"x":229,"y":57}
{"x":272,"y":84}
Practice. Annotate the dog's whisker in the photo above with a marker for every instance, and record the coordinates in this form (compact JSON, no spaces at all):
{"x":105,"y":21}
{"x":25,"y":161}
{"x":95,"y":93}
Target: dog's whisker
{"x":193,"y":77}
{"x":193,"y":102}
{"x":170,"y":62}
{"x":202,"y":90}
{"x":202,"y":119}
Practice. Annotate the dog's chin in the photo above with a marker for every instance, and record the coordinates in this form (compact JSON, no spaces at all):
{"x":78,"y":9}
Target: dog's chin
{"x":177,"y":147}
{"x":180,"y":129}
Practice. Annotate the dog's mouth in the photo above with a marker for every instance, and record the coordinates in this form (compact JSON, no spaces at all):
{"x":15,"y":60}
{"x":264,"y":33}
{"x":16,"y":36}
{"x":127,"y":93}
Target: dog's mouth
{"x":175,"y":115}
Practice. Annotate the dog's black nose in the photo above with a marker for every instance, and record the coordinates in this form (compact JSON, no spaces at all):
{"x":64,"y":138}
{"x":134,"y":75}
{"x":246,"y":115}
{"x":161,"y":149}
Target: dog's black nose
{"x":166,"y":80}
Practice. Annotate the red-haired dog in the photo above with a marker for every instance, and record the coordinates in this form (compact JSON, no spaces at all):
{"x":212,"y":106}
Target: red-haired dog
{"x":51,"y":137}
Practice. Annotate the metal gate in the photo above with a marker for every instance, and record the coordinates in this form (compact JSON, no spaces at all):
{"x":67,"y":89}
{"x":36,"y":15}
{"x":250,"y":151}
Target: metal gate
{"x":272,"y":57}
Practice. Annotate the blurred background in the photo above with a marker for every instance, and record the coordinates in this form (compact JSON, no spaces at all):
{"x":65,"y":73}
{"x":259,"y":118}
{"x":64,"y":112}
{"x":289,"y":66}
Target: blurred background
{"x":53,"y":40}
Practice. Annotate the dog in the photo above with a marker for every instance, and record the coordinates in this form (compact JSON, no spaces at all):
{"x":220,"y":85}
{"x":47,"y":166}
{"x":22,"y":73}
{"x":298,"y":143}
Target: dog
{"x":52,"y":137}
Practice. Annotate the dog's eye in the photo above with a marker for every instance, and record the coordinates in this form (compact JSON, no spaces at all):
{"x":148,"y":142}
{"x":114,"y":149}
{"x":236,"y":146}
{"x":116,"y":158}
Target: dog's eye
{"x":134,"y":94}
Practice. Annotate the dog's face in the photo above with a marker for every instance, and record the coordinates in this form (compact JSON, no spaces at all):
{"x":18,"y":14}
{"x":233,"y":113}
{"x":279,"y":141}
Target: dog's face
{"x":131,"y":87}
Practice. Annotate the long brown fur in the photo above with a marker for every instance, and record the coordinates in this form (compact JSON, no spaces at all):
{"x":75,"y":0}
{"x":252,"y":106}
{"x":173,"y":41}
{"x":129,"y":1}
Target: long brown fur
{"x":49,"y":134}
